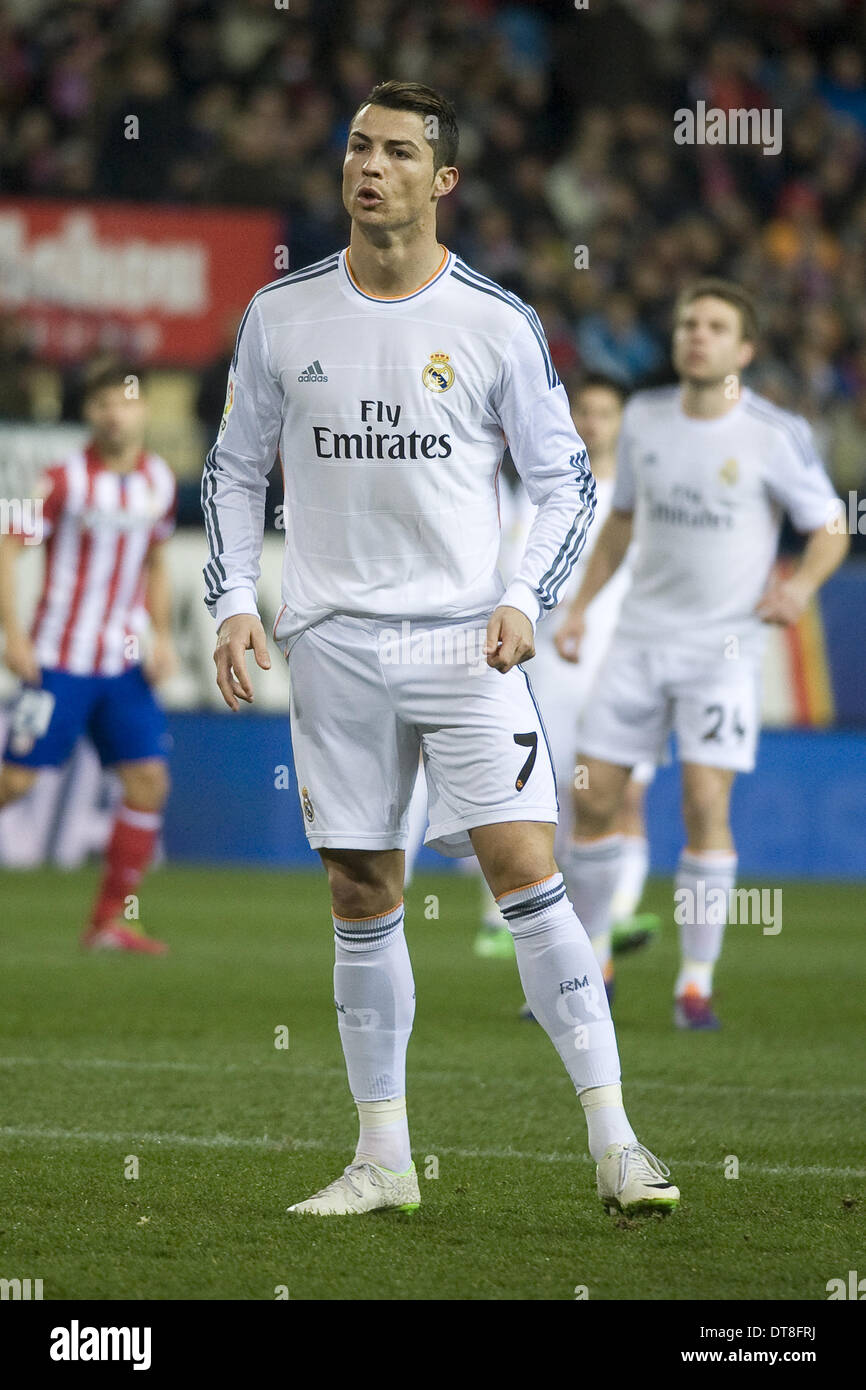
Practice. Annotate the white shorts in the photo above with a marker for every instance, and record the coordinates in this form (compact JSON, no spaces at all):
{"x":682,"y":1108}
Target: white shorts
{"x":644,"y":693}
{"x":368,"y":695}
{"x":562,"y":689}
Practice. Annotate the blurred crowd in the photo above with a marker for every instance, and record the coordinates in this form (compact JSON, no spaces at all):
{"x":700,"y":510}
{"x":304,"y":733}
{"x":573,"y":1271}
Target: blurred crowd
{"x":567,"y":124}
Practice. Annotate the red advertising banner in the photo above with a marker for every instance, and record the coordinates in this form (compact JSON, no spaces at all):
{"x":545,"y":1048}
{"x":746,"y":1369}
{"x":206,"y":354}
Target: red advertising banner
{"x":159,"y":283}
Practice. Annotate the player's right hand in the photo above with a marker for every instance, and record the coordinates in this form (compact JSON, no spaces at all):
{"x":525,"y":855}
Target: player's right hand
{"x":569,"y":635}
{"x":20,"y":657}
{"x":237,"y":636}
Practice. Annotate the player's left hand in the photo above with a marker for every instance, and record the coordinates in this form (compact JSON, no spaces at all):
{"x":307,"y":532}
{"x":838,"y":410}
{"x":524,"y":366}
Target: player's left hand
{"x":510,"y":639}
{"x":160,"y":662}
{"x":784,"y":602}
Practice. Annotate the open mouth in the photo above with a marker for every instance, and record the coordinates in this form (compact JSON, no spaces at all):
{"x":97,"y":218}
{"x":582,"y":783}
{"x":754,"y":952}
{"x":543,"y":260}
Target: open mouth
{"x":368,"y":196}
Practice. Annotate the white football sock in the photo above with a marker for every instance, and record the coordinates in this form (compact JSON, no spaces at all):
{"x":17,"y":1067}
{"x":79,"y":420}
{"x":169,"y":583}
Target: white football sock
{"x":591,"y":869}
{"x":634,"y":866}
{"x":703,"y":885}
{"x":562,"y":982}
{"x":606,"y":1120}
{"x":375,"y":997}
{"x":384,"y":1136}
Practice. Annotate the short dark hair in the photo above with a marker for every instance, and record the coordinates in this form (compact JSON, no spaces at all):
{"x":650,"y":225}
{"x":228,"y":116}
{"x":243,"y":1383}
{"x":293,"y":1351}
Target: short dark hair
{"x":415,"y":96}
{"x":107,"y":371}
{"x":713,"y":287}
{"x":599,"y":381}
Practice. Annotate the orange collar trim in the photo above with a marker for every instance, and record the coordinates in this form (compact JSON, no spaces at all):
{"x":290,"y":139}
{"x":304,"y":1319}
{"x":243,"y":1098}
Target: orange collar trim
{"x":392,"y":297}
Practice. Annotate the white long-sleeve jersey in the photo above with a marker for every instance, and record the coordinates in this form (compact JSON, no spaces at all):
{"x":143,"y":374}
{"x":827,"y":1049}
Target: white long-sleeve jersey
{"x":391,"y":417}
{"x":708,"y":498}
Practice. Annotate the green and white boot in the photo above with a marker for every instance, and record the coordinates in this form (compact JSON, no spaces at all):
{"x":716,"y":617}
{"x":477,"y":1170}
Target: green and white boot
{"x":364,"y":1187}
{"x":633,"y":1182}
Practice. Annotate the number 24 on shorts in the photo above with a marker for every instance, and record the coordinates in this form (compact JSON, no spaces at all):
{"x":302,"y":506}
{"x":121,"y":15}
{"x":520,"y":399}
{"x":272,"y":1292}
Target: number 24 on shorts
{"x":715,"y":733}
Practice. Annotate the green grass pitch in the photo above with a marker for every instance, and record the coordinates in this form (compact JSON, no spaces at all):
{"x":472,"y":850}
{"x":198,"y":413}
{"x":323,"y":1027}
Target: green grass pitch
{"x":173,"y":1062}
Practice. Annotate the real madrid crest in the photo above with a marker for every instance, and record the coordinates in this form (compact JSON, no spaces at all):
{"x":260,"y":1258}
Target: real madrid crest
{"x":307,"y":804}
{"x":438,"y":375}
{"x":729,"y":472}
{"x":230,"y":400}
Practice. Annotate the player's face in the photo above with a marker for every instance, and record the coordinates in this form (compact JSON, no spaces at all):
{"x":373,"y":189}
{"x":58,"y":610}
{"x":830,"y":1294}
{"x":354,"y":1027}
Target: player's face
{"x":708,"y":342}
{"x":116,"y":421}
{"x":597,"y":415}
{"x":388,"y":177}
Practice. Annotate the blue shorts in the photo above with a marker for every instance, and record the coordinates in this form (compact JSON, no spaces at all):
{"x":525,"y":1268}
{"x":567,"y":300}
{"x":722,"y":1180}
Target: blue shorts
{"x":120,"y":715}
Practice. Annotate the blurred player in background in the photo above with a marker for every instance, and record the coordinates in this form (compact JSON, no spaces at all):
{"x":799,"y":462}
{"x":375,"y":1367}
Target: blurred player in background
{"x":106,"y":512}
{"x":561,"y":688}
{"x":705,"y":471}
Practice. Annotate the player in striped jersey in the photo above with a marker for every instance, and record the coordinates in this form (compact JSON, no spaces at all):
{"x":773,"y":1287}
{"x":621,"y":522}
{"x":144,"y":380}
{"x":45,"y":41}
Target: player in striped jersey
{"x":705,"y":471}
{"x":106,"y":512}
{"x":391,"y":376}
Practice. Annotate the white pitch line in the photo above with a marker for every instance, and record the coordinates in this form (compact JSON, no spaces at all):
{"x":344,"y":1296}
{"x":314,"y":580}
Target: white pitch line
{"x":232,"y":1141}
{"x":711,"y":1087}
{"x":314,"y":1069}
{"x":124,"y":1064}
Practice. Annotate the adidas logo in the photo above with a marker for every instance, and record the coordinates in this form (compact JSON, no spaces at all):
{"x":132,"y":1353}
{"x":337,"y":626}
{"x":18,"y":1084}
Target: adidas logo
{"x":313,"y":372}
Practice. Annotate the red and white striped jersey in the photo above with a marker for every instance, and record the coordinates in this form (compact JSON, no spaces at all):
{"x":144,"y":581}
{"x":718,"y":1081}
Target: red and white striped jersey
{"x":99,"y":526}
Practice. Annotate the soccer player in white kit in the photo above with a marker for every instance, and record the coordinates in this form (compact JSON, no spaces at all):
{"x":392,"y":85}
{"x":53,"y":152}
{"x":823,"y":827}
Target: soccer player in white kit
{"x":561,"y":688}
{"x":705,"y":471}
{"x":391,"y":376}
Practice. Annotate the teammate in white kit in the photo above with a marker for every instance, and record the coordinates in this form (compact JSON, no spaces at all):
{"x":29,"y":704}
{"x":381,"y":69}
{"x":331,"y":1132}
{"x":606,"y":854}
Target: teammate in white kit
{"x":391,"y":376}
{"x":106,"y":512}
{"x":561,"y":688}
{"x":705,"y":471}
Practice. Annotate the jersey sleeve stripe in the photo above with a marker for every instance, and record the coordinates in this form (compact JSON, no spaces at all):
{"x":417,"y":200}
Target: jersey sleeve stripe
{"x":485,"y":286}
{"x":551,"y":582}
{"x":788,"y":424}
{"x":309,"y":273}
{"x":549,"y":590}
{"x":480,"y":282}
{"x":214,"y":570}
{"x":210,"y":509}
{"x":214,"y":588}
